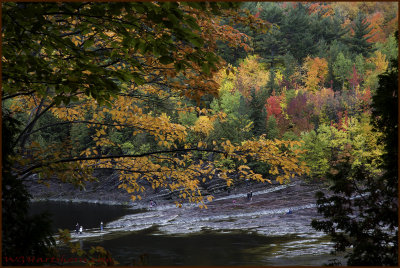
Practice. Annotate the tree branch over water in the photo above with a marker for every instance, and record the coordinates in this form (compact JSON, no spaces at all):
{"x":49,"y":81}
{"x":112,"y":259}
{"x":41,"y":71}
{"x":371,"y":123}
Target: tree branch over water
{"x":30,"y":169}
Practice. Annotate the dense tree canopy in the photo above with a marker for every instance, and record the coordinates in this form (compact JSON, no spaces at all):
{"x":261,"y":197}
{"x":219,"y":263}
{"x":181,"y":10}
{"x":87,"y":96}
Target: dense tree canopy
{"x":369,"y":222}
{"x":69,"y":48}
{"x":124,"y":64}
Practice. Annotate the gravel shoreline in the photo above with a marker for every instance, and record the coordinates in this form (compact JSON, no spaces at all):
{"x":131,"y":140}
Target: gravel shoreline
{"x":106,"y":192}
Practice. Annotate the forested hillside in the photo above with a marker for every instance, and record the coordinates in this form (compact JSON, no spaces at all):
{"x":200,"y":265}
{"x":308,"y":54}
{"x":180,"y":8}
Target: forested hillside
{"x":312,"y":77}
{"x":171,"y":95}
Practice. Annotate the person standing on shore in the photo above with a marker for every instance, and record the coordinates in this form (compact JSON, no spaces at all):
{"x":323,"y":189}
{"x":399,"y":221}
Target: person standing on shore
{"x":152,"y":203}
{"x":81,"y":229}
{"x":77,"y":228}
{"x":250,"y":196}
{"x":101,"y":226}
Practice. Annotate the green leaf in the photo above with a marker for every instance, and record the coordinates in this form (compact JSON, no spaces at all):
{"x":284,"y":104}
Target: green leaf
{"x":166,"y":59}
{"x":196,"y":5}
{"x":205,"y":68}
{"x":138,"y":79}
{"x":178,"y":66}
{"x":192,"y":23}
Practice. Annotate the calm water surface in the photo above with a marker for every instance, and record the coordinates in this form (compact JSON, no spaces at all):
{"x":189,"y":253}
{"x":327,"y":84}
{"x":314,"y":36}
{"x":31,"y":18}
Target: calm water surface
{"x":67,"y":214}
{"x":206,"y":247}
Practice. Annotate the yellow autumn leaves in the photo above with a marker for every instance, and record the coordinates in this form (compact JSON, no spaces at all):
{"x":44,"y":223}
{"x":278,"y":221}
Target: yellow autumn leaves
{"x":175,"y":165}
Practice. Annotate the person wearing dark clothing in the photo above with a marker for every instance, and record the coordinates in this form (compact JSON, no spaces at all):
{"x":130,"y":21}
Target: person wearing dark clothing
{"x":77,"y":228}
{"x":250,"y":196}
{"x":152,"y":204}
{"x":101,"y":226}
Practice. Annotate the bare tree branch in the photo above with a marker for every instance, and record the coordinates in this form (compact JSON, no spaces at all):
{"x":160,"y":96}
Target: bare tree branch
{"x":78,"y":122}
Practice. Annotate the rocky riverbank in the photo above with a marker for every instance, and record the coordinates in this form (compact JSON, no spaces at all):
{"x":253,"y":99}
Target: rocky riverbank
{"x":106,"y":191}
{"x":274,"y":210}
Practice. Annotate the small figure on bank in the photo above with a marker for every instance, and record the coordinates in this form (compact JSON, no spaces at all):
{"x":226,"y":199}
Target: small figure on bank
{"x":152,"y":203}
{"x":289,"y":212}
{"x":81,"y":229}
{"x":101,"y":226}
{"x":77,"y":228}
{"x":250,"y":196}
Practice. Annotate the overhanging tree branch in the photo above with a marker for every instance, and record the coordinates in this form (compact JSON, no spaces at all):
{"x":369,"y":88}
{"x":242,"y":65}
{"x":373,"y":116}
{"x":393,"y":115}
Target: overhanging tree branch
{"x":18,"y":94}
{"x":78,"y":122}
{"x":30,"y":126}
{"x":67,"y":160}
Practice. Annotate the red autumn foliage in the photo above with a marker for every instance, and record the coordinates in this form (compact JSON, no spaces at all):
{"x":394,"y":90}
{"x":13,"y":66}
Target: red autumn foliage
{"x":377,"y":22}
{"x":354,"y":78}
{"x":300,"y":112}
{"x":342,"y":121}
{"x":273,"y":106}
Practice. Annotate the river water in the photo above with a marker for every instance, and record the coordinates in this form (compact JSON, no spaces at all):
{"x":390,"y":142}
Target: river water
{"x":272,"y":229}
{"x":67,"y":214}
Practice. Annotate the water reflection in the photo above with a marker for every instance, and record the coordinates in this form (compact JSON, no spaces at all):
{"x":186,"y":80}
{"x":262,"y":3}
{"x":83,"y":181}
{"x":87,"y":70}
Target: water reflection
{"x":211,"y":248}
{"x":280,"y":240}
{"x":65,"y":215}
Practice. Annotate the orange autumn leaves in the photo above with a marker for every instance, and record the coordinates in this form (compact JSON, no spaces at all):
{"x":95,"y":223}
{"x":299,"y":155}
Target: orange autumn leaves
{"x":317,"y":71}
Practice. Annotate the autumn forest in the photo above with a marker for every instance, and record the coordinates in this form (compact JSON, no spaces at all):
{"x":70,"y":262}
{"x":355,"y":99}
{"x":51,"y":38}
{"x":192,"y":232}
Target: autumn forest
{"x":172,"y":95}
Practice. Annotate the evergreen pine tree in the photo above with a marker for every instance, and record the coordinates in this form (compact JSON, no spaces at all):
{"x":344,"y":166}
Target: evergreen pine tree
{"x":290,"y":64}
{"x":270,"y":46}
{"x":342,"y":68}
{"x":271,"y":85}
{"x":327,"y":28}
{"x":358,"y":43}
{"x":335,"y":48}
{"x":296,"y":28}
{"x":271,"y":12}
{"x":272,"y":128}
{"x":258,"y":112}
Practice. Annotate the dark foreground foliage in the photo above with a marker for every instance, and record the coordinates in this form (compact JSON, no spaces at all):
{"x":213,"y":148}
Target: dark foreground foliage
{"x":22,"y":235}
{"x":362,"y":213}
